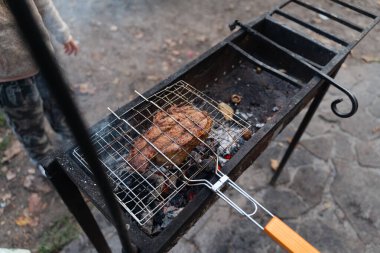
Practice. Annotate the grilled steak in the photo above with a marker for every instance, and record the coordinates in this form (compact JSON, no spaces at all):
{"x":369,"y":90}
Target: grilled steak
{"x":174,"y":132}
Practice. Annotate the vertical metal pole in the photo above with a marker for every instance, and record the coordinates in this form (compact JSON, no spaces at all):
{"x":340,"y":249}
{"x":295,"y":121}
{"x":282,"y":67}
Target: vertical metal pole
{"x":305,"y":122}
{"x":301,"y":129}
{"x":59,"y":89}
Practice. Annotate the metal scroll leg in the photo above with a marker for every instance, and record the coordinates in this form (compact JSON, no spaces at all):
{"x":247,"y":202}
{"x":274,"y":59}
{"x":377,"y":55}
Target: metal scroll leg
{"x":301,"y":129}
{"x":77,"y":206}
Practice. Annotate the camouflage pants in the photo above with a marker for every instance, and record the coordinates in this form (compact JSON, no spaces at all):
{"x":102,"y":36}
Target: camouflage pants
{"x":25,"y":103}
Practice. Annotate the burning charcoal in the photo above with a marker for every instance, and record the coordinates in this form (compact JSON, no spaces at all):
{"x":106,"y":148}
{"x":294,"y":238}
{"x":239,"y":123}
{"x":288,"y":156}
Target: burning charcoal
{"x":179,"y":200}
{"x":258,"y":70}
{"x":170,"y":216}
{"x":208,"y":164}
{"x":236,"y":99}
{"x":142,"y":195}
{"x":196,"y":157}
{"x":222,"y":161}
{"x":190,"y":195}
{"x":157,"y":219}
{"x":259,"y":125}
{"x":147,"y":228}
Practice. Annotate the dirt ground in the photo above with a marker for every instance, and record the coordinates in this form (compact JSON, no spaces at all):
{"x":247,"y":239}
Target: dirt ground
{"x":125,"y":45}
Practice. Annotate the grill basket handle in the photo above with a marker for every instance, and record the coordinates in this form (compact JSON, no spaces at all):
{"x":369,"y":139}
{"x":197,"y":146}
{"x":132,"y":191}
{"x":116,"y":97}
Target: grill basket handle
{"x":276,"y":229}
{"x":287,"y":237}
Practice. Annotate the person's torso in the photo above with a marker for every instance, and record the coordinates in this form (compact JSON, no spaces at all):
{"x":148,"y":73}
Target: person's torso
{"x":15,"y":59}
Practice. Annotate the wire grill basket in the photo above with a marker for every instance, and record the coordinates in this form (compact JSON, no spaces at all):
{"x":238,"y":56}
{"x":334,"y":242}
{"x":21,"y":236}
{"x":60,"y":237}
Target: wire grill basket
{"x":144,"y":192}
{"x":143,"y":188}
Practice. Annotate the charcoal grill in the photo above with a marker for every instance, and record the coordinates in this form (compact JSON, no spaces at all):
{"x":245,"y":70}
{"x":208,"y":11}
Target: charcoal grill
{"x":270,"y":63}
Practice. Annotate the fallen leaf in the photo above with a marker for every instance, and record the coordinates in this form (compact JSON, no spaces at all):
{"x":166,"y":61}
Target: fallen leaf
{"x":4,"y":169}
{"x":12,"y":151}
{"x":274,"y":164}
{"x":35,"y":204}
{"x":116,"y":81}
{"x":85,"y":88}
{"x":139,"y":35}
{"x":201,"y":38}
{"x":376,"y":130}
{"x":317,"y":20}
{"x":25,"y":220}
{"x":152,"y":78}
{"x":6,"y":196}
{"x":170,"y":42}
{"x":41,"y":185}
{"x":10,"y":175}
{"x":28,"y":181}
{"x":165,"y":66}
{"x":176,"y":52}
{"x":370,"y":58}
{"x":113,"y":28}
{"x":31,"y":171}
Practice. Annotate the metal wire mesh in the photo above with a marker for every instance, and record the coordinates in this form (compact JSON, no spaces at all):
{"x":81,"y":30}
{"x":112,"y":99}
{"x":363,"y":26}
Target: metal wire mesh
{"x":144,"y":188}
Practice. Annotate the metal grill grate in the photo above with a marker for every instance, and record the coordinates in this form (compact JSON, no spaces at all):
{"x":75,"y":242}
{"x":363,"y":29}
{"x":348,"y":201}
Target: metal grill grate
{"x":143,"y":192}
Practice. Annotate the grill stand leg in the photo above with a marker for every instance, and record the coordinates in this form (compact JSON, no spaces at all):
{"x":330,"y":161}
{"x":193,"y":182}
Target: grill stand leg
{"x":77,"y":206}
{"x":301,"y":129}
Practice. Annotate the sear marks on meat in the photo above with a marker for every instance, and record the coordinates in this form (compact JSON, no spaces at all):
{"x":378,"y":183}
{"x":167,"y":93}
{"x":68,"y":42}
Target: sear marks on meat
{"x":170,"y":137}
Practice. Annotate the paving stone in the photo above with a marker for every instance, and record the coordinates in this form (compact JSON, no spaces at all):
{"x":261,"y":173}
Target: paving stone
{"x":365,"y":91}
{"x":361,"y":203}
{"x":309,"y":183}
{"x":287,"y":133}
{"x":283,"y":203}
{"x":373,"y":248}
{"x":254,"y":178}
{"x":327,"y":238}
{"x":242,"y":237}
{"x":360,"y":125}
{"x":220,"y":219}
{"x":184,"y":246}
{"x":348,"y":77}
{"x":343,"y":146}
{"x":368,"y":154}
{"x":319,"y":146}
{"x":274,"y":151}
{"x":328,"y":116}
{"x":300,"y":157}
{"x":218,"y":212}
{"x":374,"y":108}
{"x":317,"y":126}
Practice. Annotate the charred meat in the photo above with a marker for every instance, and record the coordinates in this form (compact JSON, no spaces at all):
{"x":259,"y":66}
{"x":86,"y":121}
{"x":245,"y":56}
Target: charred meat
{"x":175,"y":132}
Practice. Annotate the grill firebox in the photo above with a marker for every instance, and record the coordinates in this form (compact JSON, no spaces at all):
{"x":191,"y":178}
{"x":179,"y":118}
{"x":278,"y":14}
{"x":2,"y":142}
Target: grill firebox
{"x":277,"y":70}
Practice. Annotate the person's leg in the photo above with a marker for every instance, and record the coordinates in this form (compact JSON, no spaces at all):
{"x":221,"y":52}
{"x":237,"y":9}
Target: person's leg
{"x":22,"y":105}
{"x":52,"y":111}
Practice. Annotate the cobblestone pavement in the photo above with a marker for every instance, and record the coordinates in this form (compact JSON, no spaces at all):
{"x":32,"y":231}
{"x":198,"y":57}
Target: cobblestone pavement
{"x":329,"y":191}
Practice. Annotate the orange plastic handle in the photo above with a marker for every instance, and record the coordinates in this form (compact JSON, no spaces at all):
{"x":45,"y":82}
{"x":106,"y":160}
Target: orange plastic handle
{"x":287,"y":237}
